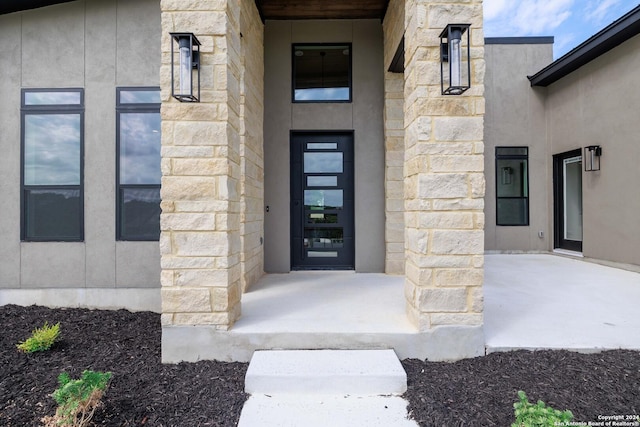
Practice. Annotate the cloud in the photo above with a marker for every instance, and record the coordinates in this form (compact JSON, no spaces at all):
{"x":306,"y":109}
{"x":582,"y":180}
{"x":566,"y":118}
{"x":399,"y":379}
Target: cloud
{"x":495,"y":8}
{"x":525,"y":17}
{"x":601,"y":11}
{"x":540,"y":16}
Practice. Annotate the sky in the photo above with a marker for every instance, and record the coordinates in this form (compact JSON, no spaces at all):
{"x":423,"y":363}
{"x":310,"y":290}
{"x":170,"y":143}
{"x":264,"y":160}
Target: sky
{"x":571,"y":22}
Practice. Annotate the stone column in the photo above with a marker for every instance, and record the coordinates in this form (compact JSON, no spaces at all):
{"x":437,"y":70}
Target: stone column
{"x":443,"y":172}
{"x":200,"y":221}
{"x":393,"y":27}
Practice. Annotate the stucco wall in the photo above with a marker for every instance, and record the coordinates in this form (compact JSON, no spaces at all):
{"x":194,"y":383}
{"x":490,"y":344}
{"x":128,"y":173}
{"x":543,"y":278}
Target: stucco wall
{"x":597,"y":105}
{"x":515,"y":116}
{"x":363,"y":115}
{"x":96,"y":46}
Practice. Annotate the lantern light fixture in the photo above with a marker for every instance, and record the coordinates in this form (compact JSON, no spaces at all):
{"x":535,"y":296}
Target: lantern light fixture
{"x":592,"y":155}
{"x":185,"y":86}
{"x":455,"y":59}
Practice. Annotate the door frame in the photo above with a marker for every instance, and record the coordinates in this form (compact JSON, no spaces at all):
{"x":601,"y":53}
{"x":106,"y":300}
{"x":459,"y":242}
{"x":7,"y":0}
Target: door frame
{"x":298,"y":212}
{"x":559,"y":242}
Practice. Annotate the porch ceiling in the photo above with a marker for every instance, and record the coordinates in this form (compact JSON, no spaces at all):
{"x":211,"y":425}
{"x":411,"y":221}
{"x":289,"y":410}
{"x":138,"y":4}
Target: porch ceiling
{"x":322,"y":9}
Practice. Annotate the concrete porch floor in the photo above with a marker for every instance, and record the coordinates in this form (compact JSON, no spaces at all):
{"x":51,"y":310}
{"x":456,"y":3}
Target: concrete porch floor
{"x":539,"y":301}
{"x":532,"y":301}
{"x":552,"y":302}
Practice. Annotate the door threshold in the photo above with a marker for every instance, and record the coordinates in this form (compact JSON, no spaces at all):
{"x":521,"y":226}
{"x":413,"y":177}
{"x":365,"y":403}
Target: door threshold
{"x":568,"y":252}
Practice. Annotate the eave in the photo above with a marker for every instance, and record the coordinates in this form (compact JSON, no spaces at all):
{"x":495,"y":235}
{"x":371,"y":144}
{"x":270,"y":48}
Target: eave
{"x":618,"y":32}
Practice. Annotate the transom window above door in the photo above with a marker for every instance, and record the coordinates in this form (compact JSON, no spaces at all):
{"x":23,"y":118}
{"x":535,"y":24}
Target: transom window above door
{"x":321,"y":72}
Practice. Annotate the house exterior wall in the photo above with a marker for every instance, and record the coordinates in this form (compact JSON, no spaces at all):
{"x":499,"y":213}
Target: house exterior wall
{"x":364,"y":116}
{"x":596,"y":105}
{"x":393,"y":27}
{"x":515,"y":117}
{"x":55,"y":47}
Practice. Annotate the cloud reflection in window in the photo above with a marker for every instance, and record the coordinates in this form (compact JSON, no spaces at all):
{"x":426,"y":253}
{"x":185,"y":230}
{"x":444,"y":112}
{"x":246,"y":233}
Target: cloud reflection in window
{"x":140,"y":148}
{"x":52,"y":149}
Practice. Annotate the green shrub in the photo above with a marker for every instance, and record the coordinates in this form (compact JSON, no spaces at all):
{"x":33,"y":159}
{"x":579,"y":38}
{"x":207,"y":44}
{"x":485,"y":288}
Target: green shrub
{"x":78,"y":399}
{"x":538,"y":415}
{"x":41,"y":339}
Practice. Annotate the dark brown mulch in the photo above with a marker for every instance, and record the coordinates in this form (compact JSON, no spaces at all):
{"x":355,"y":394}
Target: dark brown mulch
{"x":481,"y":391}
{"x":143,"y":392}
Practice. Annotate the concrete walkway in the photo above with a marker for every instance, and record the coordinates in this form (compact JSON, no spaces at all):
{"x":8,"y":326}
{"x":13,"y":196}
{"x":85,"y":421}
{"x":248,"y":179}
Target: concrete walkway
{"x":319,"y":388}
{"x":552,"y":302}
{"x":531,"y":302}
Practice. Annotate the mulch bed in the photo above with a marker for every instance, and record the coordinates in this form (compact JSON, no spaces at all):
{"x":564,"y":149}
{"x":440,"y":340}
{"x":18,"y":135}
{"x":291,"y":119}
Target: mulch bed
{"x":143,"y":392}
{"x":481,"y":391}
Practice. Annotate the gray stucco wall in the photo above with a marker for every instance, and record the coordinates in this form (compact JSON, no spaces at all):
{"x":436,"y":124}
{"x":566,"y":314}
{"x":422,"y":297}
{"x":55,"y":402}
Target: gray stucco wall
{"x":515,"y":116}
{"x":598,"y":105}
{"x":95,"y":45}
{"x":363,"y":116}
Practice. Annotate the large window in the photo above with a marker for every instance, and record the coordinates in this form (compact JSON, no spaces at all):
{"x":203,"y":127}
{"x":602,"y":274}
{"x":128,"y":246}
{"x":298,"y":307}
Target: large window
{"x":512,"y":186}
{"x":322,"y":72}
{"x":138,"y":163}
{"x":52,"y":165}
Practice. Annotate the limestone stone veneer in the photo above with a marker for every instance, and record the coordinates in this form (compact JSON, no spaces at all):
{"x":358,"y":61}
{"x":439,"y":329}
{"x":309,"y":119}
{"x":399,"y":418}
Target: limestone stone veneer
{"x":212,"y":163}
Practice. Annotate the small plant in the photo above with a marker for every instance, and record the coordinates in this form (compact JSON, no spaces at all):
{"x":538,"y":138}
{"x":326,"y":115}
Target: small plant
{"x":538,"y":415}
{"x":41,"y":339}
{"x":78,"y":399}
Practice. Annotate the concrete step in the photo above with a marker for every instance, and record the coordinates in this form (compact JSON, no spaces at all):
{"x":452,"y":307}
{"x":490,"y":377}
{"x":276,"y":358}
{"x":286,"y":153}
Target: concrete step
{"x":287,"y":410}
{"x":339,"y":372}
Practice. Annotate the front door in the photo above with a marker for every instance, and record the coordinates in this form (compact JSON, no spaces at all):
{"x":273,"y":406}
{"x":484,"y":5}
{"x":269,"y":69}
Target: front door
{"x":567,"y":169}
{"x":322,"y":209}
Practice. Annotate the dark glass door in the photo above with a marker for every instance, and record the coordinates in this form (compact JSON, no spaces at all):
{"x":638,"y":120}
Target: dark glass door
{"x":322,"y":224}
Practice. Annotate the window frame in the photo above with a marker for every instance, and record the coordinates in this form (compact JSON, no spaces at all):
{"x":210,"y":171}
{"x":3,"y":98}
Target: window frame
{"x":131,"y":108}
{"x":293,"y":74}
{"x":524,"y":157}
{"x":50,"y":109}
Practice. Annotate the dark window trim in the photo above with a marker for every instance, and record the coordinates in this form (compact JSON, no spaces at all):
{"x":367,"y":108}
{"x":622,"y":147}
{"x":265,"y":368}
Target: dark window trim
{"x":497,"y":176}
{"x":293,"y":74}
{"x":57,"y":107}
{"x":130,"y":108}
{"x":50,"y":109}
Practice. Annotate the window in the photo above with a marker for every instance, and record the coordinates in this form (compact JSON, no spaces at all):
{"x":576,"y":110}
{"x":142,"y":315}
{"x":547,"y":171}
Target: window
{"x":138,"y":163}
{"x":322,"y":72}
{"x":52,"y":151}
{"x":512,"y":186}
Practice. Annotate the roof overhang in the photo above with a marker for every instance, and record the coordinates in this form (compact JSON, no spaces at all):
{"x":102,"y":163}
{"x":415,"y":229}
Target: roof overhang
{"x":322,"y":9}
{"x":618,"y":32}
{"x":10,"y":6}
{"x":269,"y":9}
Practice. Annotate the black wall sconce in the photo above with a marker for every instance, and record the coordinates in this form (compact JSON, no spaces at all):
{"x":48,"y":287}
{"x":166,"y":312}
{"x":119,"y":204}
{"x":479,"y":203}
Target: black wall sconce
{"x":188,"y":61}
{"x":456,"y":53}
{"x":592,"y":155}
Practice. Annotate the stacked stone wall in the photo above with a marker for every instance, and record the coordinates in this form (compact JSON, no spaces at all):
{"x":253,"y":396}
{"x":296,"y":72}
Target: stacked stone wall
{"x":393,"y":27}
{"x":251,"y":149}
{"x":200,"y":240}
{"x":443,"y":172}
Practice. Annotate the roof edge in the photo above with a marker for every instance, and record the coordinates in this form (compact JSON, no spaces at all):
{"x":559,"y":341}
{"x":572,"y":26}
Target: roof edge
{"x":11,"y":6}
{"x":611,"y":36}
{"x":519,"y":40}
